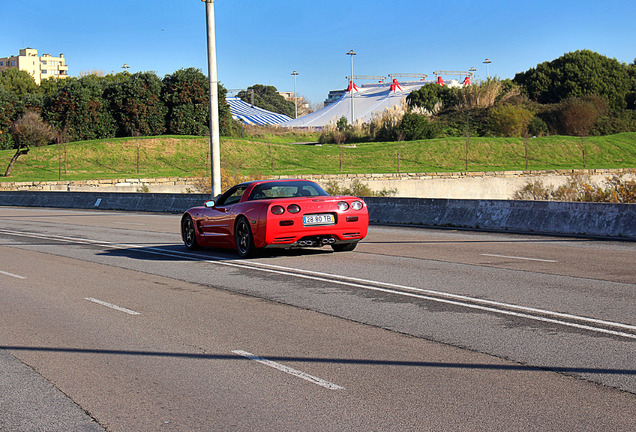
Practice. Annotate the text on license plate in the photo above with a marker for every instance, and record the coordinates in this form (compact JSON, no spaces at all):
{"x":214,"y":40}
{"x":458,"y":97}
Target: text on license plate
{"x":319,"y":219}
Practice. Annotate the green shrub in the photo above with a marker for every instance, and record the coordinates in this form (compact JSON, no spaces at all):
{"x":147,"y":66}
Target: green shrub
{"x":537,"y":127}
{"x":577,"y":116}
{"x":417,"y":127}
{"x":508,"y":120}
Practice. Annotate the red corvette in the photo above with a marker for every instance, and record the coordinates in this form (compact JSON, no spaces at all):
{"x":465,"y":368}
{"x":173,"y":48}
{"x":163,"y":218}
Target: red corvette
{"x":276,"y":214}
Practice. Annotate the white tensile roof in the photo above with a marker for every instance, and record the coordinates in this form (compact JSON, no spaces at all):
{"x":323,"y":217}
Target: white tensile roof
{"x":250,"y":114}
{"x":369,"y":100}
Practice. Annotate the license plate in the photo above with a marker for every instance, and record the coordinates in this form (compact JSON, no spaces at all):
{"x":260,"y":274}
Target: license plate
{"x":319,"y":219}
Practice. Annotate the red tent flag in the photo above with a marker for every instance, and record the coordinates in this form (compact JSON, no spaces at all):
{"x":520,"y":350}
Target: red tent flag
{"x":395,"y":86}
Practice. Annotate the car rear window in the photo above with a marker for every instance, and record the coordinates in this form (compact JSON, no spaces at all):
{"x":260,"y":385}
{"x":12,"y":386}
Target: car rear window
{"x":286,"y":190}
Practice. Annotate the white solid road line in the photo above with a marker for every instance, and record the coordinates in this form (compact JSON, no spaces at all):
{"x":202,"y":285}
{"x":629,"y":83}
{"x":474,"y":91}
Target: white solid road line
{"x":290,"y":371}
{"x":12,"y":275}
{"x":112,"y":306}
{"x":519,"y":258}
{"x":425,"y":294}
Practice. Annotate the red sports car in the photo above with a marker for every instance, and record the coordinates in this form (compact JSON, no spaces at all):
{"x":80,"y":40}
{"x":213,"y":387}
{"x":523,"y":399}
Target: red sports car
{"x":276,"y":214}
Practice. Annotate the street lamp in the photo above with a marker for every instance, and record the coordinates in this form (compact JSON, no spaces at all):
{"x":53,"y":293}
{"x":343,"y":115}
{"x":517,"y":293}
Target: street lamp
{"x":351,"y":53}
{"x":215,"y":147}
{"x":487,"y":62}
{"x":295,"y":74}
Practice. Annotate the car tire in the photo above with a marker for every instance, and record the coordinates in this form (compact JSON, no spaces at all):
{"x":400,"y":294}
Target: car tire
{"x":344,"y":247}
{"x":243,"y":238}
{"x":188,"y":233}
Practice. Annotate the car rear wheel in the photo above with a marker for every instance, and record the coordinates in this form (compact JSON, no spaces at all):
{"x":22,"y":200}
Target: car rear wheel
{"x":244,"y":239}
{"x":188,"y":234}
{"x":344,"y":247}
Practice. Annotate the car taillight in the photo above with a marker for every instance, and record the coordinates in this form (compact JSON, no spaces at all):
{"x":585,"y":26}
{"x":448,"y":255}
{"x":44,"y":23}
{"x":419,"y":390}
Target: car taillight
{"x":343,"y":205}
{"x":293,"y":208}
{"x":277,"y":210}
{"x":357,"y":205}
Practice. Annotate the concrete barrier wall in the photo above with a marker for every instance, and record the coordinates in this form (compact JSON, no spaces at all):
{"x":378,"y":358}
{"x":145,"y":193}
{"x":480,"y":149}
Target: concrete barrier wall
{"x":149,"y":202}
{"x":589,"y":219}
{"x":547,"y":217}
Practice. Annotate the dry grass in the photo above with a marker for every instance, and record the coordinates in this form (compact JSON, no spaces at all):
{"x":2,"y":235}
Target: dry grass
{"x":483,"y":95}
{"x":616,"y":189}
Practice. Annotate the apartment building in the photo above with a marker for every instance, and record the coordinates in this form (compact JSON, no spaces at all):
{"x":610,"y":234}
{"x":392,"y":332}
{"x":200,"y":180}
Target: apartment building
{"x":39,"y":67}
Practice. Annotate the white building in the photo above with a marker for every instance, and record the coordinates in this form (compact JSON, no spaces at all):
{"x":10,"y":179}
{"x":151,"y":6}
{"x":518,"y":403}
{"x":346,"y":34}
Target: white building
{"x":39,"y":68}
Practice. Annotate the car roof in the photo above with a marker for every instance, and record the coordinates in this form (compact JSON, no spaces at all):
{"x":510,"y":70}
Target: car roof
{"x":247,"y":183}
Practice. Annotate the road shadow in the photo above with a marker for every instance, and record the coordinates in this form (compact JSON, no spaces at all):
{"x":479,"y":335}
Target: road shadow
{"x":329,"y":360}
{"x":179,"y":252}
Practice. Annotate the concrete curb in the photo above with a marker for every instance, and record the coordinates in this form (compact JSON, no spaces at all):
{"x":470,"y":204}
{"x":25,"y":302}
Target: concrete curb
{"x":542,"y":217}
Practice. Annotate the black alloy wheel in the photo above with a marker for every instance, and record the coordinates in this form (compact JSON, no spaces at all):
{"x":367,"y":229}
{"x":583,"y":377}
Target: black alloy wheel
{"x":188,"y":234}
{"x":244,"y":239}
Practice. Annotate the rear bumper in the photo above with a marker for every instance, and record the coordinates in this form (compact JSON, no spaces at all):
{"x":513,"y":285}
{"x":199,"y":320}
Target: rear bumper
{"x":313,"y":241}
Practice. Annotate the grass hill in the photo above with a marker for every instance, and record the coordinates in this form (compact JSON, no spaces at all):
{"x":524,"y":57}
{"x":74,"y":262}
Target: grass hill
{"x":184,"y":156}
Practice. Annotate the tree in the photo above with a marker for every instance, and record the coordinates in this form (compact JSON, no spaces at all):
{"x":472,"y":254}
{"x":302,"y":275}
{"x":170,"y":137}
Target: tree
{"x":29,"y":130}
{"x":136,"y":104}
{"x":10,"y":109}
{"x":433,"y":97}
{"x":79,"y":107}
{"x":577,"y":74}
{"x":186,"y":95}
{"x":18,"y":81}
{"x":267,"y":97}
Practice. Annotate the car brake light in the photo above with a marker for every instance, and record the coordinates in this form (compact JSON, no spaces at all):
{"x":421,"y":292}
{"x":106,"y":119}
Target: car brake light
{"x":277,"y":210}
{"x":357,"y":205}
{"x":343,"y":205}
{"x":293,"y":208}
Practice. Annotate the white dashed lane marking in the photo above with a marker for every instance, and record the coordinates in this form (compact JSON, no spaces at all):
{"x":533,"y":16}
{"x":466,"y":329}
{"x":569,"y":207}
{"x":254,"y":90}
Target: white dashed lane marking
{"x":12,"y":275}
{"x":112,"y":306}
{"x":290,"y":371}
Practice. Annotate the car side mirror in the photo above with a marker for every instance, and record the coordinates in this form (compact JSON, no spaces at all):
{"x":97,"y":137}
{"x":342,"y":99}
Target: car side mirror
{"x":209,"y":204}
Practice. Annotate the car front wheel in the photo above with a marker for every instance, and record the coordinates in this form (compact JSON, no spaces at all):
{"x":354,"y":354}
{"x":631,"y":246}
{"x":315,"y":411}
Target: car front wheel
{"x":188,"y":234}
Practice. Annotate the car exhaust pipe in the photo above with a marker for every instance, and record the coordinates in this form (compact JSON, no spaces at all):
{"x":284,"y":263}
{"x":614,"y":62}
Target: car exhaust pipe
{"x":332,"y":240}
{"x":325,"y":241}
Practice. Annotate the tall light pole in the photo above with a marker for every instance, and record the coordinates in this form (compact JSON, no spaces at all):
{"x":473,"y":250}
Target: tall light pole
{"x":215,"y":148}
{"x":487,"y":62}
{"x":351,"y":53}
{"x":295,"y":74}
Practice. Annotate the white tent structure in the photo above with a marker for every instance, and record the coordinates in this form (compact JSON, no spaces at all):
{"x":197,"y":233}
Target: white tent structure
{"x":254,"y":115}
{"x":368,"y":99}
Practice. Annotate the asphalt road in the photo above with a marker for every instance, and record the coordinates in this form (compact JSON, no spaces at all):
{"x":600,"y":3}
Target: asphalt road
{"x":108,"y":322}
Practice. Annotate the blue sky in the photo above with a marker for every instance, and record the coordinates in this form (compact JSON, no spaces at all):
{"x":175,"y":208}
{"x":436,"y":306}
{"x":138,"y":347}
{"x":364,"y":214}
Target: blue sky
{"x":264,"y":41}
